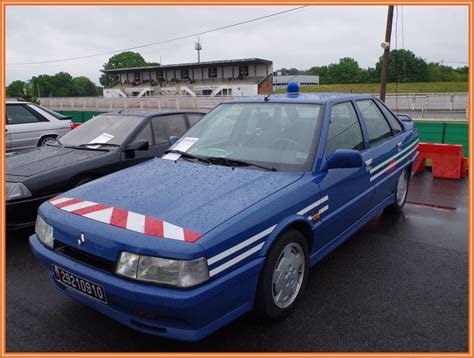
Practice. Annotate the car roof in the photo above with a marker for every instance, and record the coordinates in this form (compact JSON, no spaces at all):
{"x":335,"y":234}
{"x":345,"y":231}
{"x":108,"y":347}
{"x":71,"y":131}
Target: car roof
{"x":152,"y":112}
{"x":312,"y":98}
{"x":12,"y":101}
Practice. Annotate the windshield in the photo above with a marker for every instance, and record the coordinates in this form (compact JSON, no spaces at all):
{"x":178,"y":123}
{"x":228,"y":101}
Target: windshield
{"x":277,"y":135}
{"x":110,"y":129}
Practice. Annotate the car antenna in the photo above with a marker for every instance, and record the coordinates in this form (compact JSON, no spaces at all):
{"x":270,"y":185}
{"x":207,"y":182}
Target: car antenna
{"x":127,"y":107}
{"x":276,"y":89}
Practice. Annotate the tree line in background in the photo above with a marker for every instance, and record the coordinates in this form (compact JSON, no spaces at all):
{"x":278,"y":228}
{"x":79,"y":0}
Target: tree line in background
{"x":61,"y":84}
{"x":404,"y":66}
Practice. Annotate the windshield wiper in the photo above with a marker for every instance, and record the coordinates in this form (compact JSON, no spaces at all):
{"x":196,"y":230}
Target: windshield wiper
{"x":238,"y":163}
{"x":104,"y":144}
{"x":188,"y":156}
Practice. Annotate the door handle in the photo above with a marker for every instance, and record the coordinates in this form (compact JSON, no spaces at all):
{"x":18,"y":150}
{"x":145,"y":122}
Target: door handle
{"x":399,"y":145}
{"x":368,"y":162}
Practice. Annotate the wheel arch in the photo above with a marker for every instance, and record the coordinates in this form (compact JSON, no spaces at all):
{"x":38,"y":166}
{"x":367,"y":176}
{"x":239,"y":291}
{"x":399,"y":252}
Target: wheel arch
{"x":295,"y":222}
{"x":52,"y":135}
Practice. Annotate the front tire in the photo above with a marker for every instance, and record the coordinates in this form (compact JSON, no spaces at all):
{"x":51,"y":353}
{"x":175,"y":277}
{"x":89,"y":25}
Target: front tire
{"x":283,"y":278}
{"x":401,"y":193}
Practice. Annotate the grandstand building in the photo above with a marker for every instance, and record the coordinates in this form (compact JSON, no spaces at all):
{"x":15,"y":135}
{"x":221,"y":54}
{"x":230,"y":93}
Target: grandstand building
{"x":242,"y":77}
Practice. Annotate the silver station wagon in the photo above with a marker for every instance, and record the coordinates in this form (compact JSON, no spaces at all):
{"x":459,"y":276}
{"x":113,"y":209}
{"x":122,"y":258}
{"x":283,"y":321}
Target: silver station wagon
{"x":30,"y":125}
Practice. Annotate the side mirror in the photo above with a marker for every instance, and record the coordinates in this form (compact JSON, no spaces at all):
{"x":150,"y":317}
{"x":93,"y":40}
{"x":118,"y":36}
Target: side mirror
{"x":140,"y":144}
{"x":172,"y":139}
{"x":344,"y":158}
{"x":404,"y":117}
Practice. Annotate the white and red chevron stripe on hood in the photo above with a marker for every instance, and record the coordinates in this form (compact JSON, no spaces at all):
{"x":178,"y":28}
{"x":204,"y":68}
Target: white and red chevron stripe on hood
{"x":124,"y":219}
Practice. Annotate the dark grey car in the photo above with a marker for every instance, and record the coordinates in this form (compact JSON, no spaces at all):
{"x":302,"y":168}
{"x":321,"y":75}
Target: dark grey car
{"x":103,"y":145}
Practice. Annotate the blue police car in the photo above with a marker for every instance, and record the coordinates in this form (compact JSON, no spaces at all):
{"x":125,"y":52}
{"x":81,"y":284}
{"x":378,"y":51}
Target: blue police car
{"x":232,"y":217}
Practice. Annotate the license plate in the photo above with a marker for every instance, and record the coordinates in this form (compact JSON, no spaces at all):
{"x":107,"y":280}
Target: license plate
{"x":80,"y":284}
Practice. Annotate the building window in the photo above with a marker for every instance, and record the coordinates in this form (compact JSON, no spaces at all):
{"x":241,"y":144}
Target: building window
{"x":212,"y":72}
{"x":243,"y":71}
{"x":185,"y":74}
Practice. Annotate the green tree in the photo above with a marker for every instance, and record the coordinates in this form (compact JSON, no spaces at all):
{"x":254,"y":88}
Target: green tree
{"x":404,"y":66}
{"x":121,"y":60}
{"x":84,"y":87}
{"x":346,"y":71}
{"x":16,"y":89}
{"x":29,"y":94}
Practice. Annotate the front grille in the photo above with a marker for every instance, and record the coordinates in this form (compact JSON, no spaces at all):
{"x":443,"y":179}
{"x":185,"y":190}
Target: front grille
{"x":83,"y":257}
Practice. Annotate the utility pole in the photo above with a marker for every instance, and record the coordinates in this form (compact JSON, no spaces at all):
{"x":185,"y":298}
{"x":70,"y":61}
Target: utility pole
{"x":386,"y":52}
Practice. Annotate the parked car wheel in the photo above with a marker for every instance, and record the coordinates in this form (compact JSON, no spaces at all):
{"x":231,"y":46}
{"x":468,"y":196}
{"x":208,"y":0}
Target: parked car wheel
{"x":401,"y":193}
{"x":46,"y":140}
{"x":284,"y":276}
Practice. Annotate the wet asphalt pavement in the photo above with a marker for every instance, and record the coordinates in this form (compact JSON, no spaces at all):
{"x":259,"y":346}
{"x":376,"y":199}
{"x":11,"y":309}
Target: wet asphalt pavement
{"x":399,"y":284}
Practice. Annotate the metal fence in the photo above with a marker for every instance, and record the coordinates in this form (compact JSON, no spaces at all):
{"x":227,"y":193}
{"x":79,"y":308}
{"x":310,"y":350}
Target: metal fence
{"x":423,"y":105}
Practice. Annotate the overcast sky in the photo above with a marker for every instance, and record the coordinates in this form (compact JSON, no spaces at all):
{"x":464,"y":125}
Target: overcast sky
{"x":315,"y":35}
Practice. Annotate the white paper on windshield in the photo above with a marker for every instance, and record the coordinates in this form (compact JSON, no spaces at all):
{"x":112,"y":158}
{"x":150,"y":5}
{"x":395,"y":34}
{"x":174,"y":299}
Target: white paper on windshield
{"x":182,"y":146}
{"x":103,"y":138}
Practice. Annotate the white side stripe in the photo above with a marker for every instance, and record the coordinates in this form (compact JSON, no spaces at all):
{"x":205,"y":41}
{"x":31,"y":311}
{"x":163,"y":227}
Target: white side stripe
{"x":398,"y":161}
{"x":236,"y":259}
{"x":312,"y":206}
{"x":59,"y":201}
{"x":240,"y":246}
{"x":172,"y":231}
{"x":136,"y":222}
{"x":81,"y":205}
{"x":374,"y":169}
{"x":101,"y":215}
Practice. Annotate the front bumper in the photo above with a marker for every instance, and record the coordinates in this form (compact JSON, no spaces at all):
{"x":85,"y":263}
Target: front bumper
{"x":22,"y":213}
{"x":173,"y":313}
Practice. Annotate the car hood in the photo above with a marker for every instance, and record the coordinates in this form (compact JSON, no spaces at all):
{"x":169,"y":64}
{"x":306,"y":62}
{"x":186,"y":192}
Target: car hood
{"x":194,"y":196}
{"x":41,"y":159}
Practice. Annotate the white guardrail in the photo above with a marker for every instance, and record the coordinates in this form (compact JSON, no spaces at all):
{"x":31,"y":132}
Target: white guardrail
{"x":421,"y":104}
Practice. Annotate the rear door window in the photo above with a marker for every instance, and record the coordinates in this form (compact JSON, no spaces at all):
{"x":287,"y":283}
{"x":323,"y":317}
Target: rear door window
{"x":394,"y":123}
{"x":375,"y":122}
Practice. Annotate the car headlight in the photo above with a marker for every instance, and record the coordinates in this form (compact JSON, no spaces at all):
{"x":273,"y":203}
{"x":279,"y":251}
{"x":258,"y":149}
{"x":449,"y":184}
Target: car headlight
{"x":17,"y":191}
{"x":179,"y":273}
{"x":44,"y":232}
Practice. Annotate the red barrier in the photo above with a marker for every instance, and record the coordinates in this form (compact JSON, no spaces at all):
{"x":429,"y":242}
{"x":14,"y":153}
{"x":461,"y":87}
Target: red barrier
{"x":447,"y":160}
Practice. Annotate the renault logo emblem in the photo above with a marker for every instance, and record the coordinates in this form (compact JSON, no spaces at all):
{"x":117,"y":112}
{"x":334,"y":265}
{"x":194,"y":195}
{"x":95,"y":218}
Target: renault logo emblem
{"x":81,"y":240}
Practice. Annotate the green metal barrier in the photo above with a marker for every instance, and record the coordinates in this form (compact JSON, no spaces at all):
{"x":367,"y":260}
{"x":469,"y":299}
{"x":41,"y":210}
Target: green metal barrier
{"x":80,"y":117}
{"x":444,"y":132}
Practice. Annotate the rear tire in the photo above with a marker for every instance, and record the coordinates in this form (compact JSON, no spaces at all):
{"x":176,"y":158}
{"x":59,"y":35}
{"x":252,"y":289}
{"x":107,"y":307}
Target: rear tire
{"x":401,"y":193}
{"x":283,"y":278}
{"x":46,"y":140}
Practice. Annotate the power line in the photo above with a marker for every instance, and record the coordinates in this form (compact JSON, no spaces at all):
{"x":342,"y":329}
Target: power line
{"x":160,"y":42}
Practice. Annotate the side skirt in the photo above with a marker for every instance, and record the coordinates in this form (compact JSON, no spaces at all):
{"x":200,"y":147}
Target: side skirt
{"x":329,"y":247}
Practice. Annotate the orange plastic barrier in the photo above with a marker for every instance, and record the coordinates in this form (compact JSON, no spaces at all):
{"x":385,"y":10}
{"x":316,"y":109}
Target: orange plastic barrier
{"x":447,"y":160}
